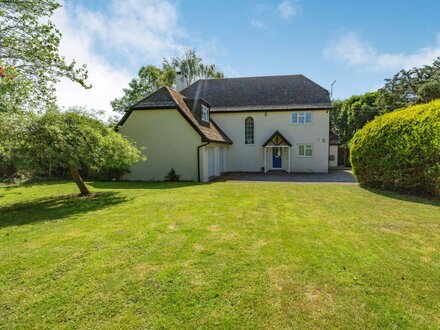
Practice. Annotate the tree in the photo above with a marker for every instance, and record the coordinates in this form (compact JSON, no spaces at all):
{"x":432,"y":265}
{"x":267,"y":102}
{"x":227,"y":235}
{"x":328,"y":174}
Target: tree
{"x":14,"y":91}
{"x":350,"y":115}
{"x":414,"y":86}
{"x":29,"y":53}
{"x":150,"y":78}
{"x":73,"y":140}
{"x":192,"y":67}
{"x":13,"y":127}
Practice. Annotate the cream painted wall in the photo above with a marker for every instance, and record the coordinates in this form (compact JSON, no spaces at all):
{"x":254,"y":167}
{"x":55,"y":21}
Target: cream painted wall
{"x":333,"y":151}
{"x":170,"y":141}
{"x":242,"y":157}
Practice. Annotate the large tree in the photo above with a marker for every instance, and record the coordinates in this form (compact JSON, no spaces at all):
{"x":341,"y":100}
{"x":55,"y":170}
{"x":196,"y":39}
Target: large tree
{"x":68,"y":139}
{"x":192,"y":67}
{"x":414,"y":86}
{"x":150,"y":78}
{"x":29,"y":54}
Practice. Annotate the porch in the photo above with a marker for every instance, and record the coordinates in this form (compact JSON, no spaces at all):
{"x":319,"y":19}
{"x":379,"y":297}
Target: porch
{"x":276,"y":152}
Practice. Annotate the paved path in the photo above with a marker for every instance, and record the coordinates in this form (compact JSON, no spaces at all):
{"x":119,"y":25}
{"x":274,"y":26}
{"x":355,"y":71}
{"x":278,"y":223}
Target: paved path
{"x":333,"y":176}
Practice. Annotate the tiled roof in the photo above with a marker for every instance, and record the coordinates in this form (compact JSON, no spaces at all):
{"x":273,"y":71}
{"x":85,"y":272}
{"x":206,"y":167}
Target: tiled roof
{"x":211,"y":132}
{"x":166,"y":98}
{"x":260,"y":93}
{"x":277,"y":139}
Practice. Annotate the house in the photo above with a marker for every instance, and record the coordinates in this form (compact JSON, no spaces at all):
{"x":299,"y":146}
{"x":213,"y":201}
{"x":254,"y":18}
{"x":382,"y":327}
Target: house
{"x":253,"y":124}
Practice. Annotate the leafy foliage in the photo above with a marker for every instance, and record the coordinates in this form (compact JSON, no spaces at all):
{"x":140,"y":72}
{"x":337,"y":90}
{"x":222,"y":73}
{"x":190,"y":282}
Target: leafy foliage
{"x":29,"y":54}
{"x":407,"y":87}
{"x":150,"y":78}
{"x":172,"y":176}
{"x":352,"y":114}
{"x":192,"y":67}
{"x":13,"y":129}
{"x":70,"y":139}
{"x":400,"y":150}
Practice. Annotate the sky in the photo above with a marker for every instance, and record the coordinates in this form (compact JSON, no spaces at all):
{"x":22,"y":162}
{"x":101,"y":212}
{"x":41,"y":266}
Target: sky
{"x":357,"y":43}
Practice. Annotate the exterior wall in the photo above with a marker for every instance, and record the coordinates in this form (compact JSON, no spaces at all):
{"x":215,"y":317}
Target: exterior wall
{"x":169,"y":142}
{"x":250,"y":158}
{"x":333,"y":152}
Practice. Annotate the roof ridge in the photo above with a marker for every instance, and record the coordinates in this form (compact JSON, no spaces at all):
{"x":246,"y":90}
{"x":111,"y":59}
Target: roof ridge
{"x":250,"y":77}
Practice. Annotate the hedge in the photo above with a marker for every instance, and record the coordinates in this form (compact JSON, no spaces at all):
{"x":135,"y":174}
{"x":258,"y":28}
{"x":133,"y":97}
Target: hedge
{"x":400,"y":151}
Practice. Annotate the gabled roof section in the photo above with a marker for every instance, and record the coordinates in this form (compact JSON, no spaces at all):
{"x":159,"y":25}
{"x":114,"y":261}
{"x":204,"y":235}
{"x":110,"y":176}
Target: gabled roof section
{"x":158,"y":99}
{"x":270,"y":93}
{"x":277,"y":139}
{"x":166,"y":98}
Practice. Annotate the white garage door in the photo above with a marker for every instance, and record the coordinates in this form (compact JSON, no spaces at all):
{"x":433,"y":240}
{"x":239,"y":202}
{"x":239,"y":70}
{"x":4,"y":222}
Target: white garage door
{"x":222,"y":160}
{"x":210,"y":162}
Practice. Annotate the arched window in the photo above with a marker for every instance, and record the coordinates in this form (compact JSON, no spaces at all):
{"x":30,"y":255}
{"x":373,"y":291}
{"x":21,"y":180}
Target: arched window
{"x":249,"y":130}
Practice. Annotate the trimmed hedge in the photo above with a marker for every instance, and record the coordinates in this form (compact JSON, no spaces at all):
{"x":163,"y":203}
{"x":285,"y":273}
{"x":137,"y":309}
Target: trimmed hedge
{"x":400,"y":151}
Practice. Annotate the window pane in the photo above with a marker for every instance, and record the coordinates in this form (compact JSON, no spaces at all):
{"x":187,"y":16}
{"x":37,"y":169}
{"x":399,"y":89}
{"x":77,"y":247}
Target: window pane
{"x":205,"y":113}
{"x":301,"y":150}
{"x":308,"y":150}
{"x":294,"y":118}
{"x":301,"y":118}
{"x":308,"y":117}
{"x":249,"y":131}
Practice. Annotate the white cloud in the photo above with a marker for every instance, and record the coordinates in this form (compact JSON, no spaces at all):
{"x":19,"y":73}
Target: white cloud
{"x":355,"y":52}
{"x":256,"y":24}
{"x":286,"y":10}
{"x":136,"y":32}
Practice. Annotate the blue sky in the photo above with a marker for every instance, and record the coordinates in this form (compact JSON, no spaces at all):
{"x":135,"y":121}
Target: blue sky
{"x":357,"y":43}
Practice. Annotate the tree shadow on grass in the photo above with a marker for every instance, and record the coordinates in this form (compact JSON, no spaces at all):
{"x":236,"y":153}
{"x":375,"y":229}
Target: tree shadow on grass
{"x":407,"y":198}
{"x":55,"y":208}
{"x":143,"y":185}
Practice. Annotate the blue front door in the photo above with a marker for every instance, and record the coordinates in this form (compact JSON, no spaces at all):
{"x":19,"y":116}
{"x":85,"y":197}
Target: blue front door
{"x":276,"y":157}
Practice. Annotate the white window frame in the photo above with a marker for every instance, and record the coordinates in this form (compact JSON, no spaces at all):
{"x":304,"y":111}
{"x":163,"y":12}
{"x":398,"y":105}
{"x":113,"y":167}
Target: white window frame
{"x":307,"y":146}
{"x":205,"y":113}
{"x":301,"y":115}
{"x":253,"y":131}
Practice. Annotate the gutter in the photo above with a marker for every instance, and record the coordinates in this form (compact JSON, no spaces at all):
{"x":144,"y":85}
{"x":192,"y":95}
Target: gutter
{"x":198,"y":159}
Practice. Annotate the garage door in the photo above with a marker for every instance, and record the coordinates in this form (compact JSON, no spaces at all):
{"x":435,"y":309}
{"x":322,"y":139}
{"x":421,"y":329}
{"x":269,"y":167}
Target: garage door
{"x":222,"y":160}
{"x":210,"y":162}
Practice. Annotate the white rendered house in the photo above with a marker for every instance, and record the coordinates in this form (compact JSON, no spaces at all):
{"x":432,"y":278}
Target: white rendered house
{"x":256,"y":124}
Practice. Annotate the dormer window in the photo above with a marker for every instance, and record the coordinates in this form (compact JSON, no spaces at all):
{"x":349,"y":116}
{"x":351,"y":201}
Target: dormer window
{"x":205,"y":113}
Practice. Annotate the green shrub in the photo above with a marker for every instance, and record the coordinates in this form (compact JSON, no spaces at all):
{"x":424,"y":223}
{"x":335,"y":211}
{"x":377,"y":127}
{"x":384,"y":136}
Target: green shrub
{"x":172,"y":176}
{"x":400,"y":150}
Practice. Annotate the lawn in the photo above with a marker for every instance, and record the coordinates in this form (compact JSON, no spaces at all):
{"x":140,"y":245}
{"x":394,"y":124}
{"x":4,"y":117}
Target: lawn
{"x":221,"y":255}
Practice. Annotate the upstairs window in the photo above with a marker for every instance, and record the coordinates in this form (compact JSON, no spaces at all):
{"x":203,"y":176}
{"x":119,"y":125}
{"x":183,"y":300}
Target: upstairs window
{"x":249,"y":130}
{"x":302,"y":118}
{"x":205,"y":113}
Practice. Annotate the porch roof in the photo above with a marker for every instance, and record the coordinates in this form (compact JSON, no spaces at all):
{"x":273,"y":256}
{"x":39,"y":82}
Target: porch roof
{"x":277,"y":139}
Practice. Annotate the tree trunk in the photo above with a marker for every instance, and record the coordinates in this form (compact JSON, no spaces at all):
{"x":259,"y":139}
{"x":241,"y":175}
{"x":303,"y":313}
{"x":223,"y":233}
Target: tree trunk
{"x":78,"y":180}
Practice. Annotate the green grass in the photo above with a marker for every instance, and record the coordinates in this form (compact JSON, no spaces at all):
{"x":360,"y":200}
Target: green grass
{"x":221,"y":255}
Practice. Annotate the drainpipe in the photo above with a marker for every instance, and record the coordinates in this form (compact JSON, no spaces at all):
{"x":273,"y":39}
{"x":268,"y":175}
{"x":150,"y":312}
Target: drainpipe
{"x":198,"y":159}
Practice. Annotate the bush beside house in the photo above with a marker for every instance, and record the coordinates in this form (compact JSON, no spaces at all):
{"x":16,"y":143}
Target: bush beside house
{"x":400,"y":151}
